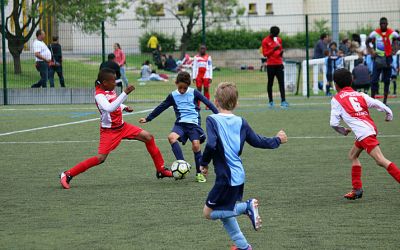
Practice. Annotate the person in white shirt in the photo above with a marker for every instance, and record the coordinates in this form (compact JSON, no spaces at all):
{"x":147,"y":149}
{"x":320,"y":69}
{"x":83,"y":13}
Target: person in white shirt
{"x":42,"y":58}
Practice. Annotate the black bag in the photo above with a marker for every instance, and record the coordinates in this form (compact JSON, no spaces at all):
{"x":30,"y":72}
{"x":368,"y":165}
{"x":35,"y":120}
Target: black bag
{"x":381,"y":62}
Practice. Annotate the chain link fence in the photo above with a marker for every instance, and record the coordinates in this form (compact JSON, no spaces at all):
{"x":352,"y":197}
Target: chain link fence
{"x":234,"y":48}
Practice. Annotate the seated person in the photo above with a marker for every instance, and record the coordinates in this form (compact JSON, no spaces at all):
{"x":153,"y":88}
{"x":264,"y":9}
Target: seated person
{"x":145,"y":71}
{"x":156,"y":77}
{"x":361,"y":77}
{"x":170,"y":64}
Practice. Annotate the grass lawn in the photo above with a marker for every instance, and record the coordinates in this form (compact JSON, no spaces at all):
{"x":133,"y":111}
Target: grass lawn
{"x":121,"y":205}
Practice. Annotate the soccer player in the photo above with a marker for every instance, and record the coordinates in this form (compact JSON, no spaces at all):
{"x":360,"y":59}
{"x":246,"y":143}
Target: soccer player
{"x":113,"y":129}
{"x":352,"y":107}
{"x":202,"y":71}
{"x":187,"y":125}
{"x":227,"y":134}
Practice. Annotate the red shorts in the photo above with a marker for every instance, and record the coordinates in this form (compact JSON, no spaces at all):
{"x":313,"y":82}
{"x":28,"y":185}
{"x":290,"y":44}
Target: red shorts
{"x":111,"y":138}
{"x":202,"y":82}
{"x":367,"y":143}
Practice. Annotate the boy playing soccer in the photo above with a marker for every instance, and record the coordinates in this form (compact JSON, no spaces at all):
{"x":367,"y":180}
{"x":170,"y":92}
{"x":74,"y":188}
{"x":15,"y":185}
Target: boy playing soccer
{"x":226,"y":136}
{"x":202,"y":71}
{"x":352,"y":107}
{"x":113,"y":128}
{"x":187,"y":125}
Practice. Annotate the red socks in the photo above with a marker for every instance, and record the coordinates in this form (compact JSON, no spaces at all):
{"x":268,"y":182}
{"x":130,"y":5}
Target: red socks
{"x":394,"y":171}
{"x":83,"y":166}
{"x":155,"y":154}
{"x":207,"y":94}
{"x":356,"y":177}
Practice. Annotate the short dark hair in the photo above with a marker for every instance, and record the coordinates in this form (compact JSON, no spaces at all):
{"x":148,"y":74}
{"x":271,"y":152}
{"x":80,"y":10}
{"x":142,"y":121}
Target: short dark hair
{"x":332,"y":43}
{"x":183,"y":76}
{"x":383,"y":19}
{"x":111,"y":56}
{"x":274,"y":30}
{"x":39,"y":32}
{"x":323,"y":35}
{"x":342,"y":77}
{"x":104,"y":74}
{"x":55,"y":38}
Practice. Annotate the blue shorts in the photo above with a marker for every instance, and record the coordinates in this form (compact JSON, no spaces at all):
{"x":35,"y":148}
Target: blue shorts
{"x":224,"y":197}
{"x":189,"y":131}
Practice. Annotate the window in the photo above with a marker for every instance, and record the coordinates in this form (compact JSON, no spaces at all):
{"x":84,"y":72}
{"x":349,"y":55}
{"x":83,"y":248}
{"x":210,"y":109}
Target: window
{"x":181,"y":9}
{"x":252,"y":9}
{"x":268,"y":9}
{"x":157,"y":9}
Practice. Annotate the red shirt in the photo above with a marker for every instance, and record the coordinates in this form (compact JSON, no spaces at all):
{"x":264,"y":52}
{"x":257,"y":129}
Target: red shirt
{"x":119,"y":57}
{"x":274,"y":57}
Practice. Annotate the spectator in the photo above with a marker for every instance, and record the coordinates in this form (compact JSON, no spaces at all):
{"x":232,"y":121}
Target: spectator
{"x":355,"y":43}
{"x":152,"y":43}
{"x":121,"y":60}
{"x":382,"y":39}
{"x":333,"y":62}
{"x":361,"y":77}
{"x":170,"y":64}
{"x":345,"y":47}
{"x":156,"y":77}
{"x":56,"y":63}
{"x":321,"y":46}
{"x":273,"y":51}
{"x":145,"y":71}
{"x":111,"y":63}
{"x":42,"y":58}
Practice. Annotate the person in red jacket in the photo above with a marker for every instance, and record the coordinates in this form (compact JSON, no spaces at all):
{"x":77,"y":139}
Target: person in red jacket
{"x":273,"y":51}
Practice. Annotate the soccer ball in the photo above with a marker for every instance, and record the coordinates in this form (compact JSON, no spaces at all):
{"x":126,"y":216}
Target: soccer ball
{"x":180,"y":169}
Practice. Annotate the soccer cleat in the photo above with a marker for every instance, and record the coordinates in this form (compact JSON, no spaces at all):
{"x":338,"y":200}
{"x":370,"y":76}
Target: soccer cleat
{"x":235,"y":248}
{"x":164,"y":173}
{"x":64,"y":180}
{"x":284,"y":104}
{"x":354,"y":194}
{"x":252,"y":212}
{"x":271,"y":104}
{"x":200,"y":178}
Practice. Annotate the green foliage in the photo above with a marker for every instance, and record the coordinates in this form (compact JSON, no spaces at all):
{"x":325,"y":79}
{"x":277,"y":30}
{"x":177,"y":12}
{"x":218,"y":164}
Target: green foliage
{"x":320,"y":26}
{"x":167,"y":43}
{"x":219,"y":39}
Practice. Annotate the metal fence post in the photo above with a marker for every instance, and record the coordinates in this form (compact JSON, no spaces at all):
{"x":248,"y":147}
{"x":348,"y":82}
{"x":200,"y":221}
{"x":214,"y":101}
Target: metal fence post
{"x":3,"y":44}
{"x":307,"y":58}
{"x":203,"y":21}
{"x":103,"y":42}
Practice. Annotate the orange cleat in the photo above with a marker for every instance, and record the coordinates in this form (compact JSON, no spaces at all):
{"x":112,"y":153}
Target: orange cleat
{"x":354,"y":194}
{"x":164,"y":173}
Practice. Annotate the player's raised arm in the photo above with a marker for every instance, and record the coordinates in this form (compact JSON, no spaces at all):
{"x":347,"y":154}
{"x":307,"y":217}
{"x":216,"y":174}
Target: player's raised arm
{"x":259,"y":141}
{"x":204,"y":100}
{"x":169,"y":101}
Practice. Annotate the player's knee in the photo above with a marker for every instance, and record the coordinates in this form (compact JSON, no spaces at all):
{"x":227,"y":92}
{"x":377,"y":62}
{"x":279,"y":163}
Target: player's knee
{"x":101,"y":158}
{"x":196,"y":146}
{"x":172,"y":138}
{"x":146,"y":136}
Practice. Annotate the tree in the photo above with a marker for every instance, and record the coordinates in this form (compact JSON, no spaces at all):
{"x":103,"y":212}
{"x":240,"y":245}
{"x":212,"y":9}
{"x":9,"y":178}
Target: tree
{"x":188,"y":14}
{"x":26,"y":15}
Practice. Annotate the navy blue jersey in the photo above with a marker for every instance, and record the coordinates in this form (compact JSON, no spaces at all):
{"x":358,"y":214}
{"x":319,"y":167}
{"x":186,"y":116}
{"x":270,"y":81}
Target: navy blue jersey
{"x":185,"y":106}
{"x":226,"y":134}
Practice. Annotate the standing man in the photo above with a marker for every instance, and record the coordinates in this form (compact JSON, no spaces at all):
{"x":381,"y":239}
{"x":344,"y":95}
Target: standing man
{"x":56,"y":63}
{"x":273,"y":51}
{"x":202,"y":71}
{"x":321,"y":47}
{"x":382,"y":51}
{"x":42,"y":58}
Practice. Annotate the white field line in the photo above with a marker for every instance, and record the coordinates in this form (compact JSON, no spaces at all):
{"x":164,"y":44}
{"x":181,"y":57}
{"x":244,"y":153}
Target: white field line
{"x":96,"y":141}
{"x":65,"y":124}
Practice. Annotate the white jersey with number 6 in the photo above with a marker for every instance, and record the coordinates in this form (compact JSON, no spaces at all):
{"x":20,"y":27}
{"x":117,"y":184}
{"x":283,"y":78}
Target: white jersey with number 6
{"x":352,"y":107}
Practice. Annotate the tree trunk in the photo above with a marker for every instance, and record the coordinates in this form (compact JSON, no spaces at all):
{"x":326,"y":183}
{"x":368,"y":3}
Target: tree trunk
{"x":15,"y":46}
{"x":185,"y":40}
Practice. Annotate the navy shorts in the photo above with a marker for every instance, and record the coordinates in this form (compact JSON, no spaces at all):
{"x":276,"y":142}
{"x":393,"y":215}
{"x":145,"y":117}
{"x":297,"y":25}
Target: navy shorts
{"x":189,"y":131}
{"x":224,"y":197}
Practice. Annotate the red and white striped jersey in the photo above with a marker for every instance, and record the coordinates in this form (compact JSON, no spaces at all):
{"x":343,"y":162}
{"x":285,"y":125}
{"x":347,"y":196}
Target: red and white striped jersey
{"x":202,"y":67}
{"x":110,"y":107}
{"x":353,"y":108}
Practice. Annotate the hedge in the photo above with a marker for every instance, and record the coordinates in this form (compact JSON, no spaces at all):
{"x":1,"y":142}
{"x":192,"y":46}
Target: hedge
{"x":167,"y":43}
